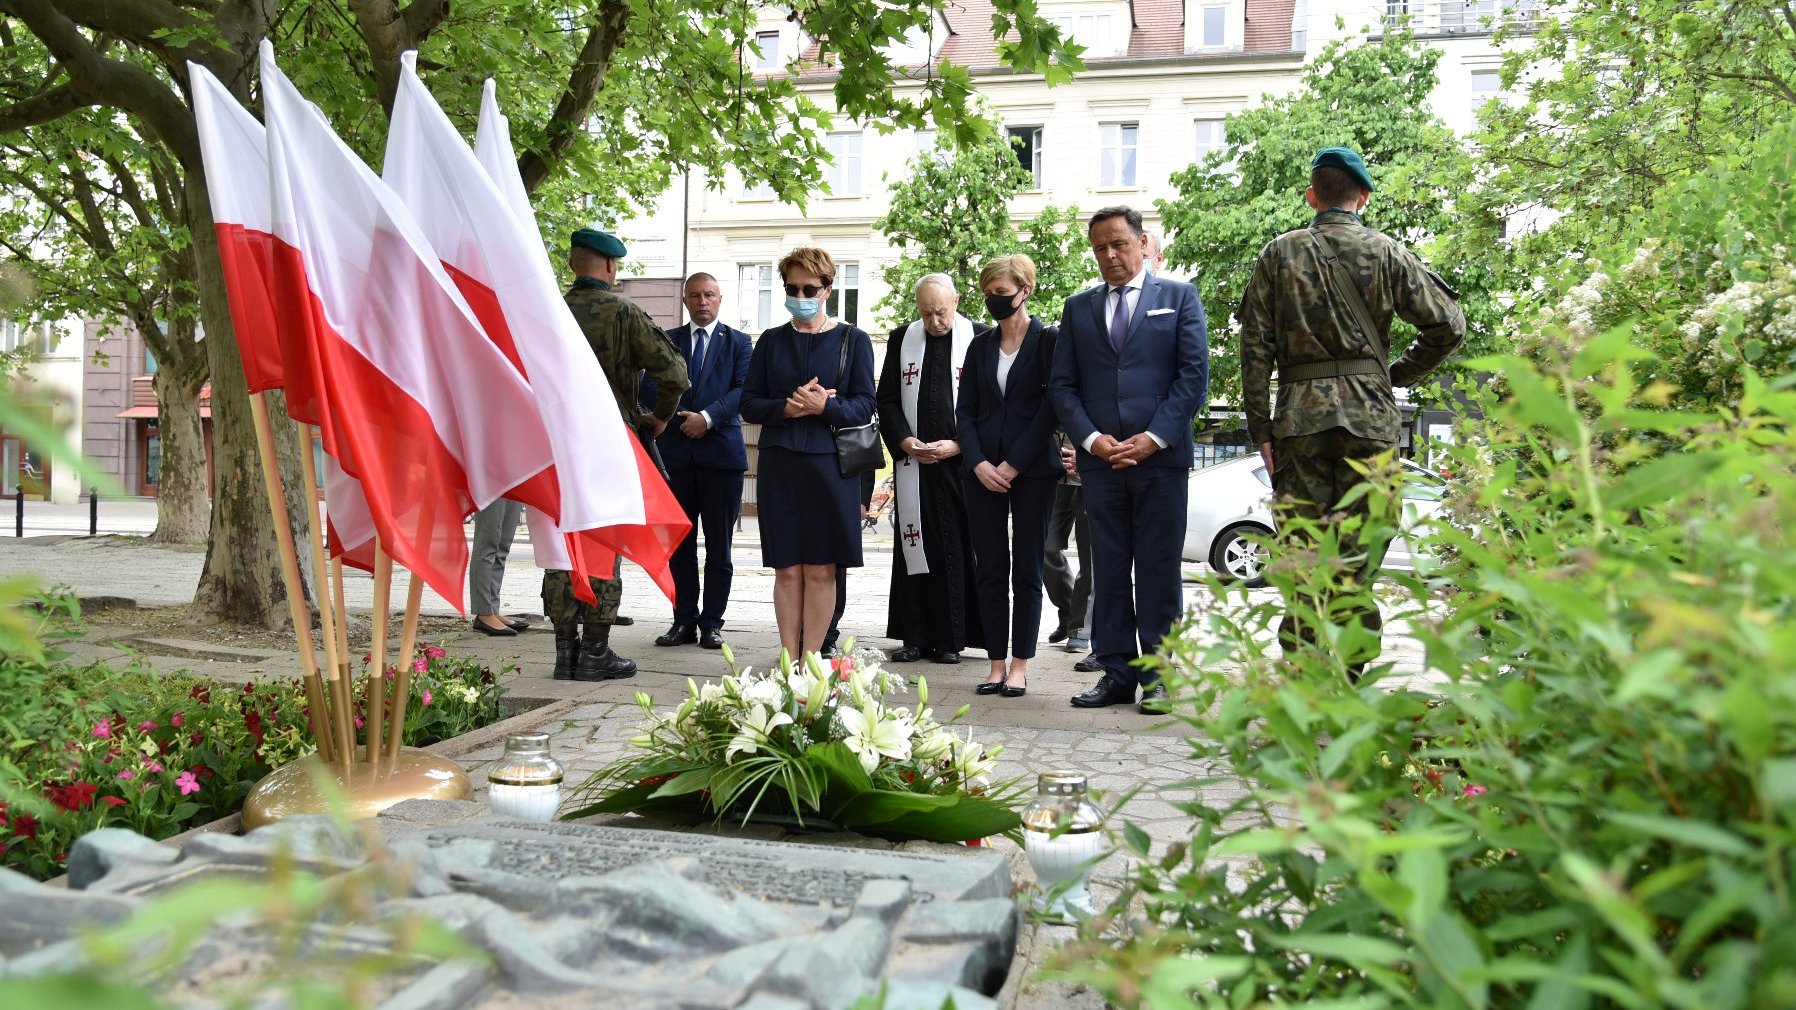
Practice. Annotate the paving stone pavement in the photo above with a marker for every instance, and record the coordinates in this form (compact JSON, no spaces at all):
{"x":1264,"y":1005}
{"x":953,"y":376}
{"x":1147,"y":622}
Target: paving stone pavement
{"x":1117,"y":748}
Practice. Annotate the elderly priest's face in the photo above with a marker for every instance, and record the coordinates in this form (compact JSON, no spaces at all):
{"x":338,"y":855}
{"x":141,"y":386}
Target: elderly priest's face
{"x":936,"y":308}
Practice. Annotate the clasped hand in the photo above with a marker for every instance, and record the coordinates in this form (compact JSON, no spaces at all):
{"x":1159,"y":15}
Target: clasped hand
{"x":930,"y":452}
{"x":995,"y":478}
{"x":808,"y":399}
{"x":1126,"y":453}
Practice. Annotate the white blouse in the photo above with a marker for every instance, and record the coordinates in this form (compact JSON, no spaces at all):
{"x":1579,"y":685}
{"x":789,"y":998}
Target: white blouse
{"x":1005,"y":360}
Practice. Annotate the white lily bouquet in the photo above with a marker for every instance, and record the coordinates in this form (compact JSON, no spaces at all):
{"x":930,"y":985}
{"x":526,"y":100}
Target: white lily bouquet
{"x":819,"y":744}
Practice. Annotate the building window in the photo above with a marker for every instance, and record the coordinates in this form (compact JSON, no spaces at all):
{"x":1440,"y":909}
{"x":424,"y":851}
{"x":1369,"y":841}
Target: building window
{"x":1395,"y":13}
{"x":1215,"y":27}
{"x":1116,"y":155}
{"x":29,"y":338}
{"x":845,"y":295}
{"x":768,"y":44}
{"x":844,"y":173}
{"x":1465,"y":16}
{"x":755,"y":296}
{"x":1486,"y":85}
{"x":1026,"y":142}
{"x":1095,"y":32}
{"x":1210,"y":138}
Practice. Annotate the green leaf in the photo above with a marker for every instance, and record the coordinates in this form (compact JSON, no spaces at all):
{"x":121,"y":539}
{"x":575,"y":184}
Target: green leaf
{"x":1684,"y":831}
{"x":1258,"y":842}
{"x":1424,"y":873}
{"x":1174,"y":978}
{"x":1136,"y":839}
{"x":1359,"y":951}
{"x":683,"y":784}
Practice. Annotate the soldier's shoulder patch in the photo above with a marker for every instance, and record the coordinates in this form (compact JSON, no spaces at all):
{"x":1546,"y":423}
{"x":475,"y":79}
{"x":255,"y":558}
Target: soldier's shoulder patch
{"x":1441,"y":283}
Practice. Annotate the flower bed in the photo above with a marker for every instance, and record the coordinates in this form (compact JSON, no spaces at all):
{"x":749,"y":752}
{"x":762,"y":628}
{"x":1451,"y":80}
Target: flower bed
{"x":89,"y":747}
{"x":816,"y":744}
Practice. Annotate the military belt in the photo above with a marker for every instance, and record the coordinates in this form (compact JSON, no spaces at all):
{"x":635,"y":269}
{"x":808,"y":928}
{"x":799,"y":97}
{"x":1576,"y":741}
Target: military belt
{"x":1330,"y":369}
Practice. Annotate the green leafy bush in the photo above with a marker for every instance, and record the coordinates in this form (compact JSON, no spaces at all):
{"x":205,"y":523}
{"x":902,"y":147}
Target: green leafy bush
{"x":83,"y":747}
{"x":1587,"y":799}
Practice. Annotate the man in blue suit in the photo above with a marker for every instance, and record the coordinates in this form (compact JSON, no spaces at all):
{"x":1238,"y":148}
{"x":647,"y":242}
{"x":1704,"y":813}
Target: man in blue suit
{"x":705,"y":459}
{"x":1131,"y":369}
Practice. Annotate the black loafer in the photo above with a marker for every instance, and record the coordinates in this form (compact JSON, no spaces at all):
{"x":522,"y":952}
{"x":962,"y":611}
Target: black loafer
{"x":948,"y":657}
{"x":989,"y":687}
{"x":1155,"y":701}
{"x":1057,"y":635}
{"x":620,"y":621}
{"x":483,"y":628}
{"x":907,"y":654}
{"x":1011,"y":691}
{"x":1106,"y":692}
{"x":710,"y":638}
{"x":516,"y":624}
{"x":679,"y":634}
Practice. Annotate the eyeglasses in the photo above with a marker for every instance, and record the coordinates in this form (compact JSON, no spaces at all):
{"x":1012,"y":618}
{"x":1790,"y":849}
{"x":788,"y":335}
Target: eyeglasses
{"x":808,"y":290}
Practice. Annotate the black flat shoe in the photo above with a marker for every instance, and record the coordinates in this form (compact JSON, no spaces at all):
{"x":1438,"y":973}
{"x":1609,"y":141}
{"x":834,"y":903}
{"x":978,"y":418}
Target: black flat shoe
{"x":1008,"y":691}
{"x":989,"y":687}
{"x":483,"y":628}
{"x":679,"y":634}
{"x":710,"y":638}
{"x":1155,"y":701}
{"x":948,"y":657}
{"x":1106,"y":692}
{"x":1057,"y":635}
{"x":516,"y":624}
{"x":620,"y":621}
{"x":908,"y":654}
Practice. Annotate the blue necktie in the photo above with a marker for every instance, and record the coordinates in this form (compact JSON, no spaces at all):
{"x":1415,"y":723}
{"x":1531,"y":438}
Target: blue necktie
{"x":1119,"y":322}
{"x":698,"y":354}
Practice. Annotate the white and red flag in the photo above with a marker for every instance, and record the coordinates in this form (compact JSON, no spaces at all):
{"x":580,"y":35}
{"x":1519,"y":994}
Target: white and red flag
{"x":612,"y":499}
{"x":412,"y":397}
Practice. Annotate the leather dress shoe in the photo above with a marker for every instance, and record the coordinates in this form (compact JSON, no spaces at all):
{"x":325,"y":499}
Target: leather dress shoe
{"x":1089,"y":664}
{"x":680,"y":634}
{"x":907,"y":654}
{"x":948,"y":657}
{"x":1057,"y":635}
{"x":1106,"y":692}
{"x":990,"y":687}
{"x":1010,"y":690}
{"x":710,"y":638}
{"x":487,"y":629}
{"x":620,"y":621}
{"x":1155,"y":701}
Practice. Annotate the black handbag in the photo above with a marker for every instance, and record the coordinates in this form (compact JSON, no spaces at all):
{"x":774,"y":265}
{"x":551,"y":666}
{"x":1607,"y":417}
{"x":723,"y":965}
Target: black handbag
{"x":857,"y":448}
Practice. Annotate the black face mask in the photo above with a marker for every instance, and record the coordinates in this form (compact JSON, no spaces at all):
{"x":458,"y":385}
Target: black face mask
{"x":1000,"y":307}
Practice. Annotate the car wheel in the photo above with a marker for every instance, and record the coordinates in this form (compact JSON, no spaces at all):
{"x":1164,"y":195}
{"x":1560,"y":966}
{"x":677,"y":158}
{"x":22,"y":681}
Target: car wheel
{"x":1235,"y":557}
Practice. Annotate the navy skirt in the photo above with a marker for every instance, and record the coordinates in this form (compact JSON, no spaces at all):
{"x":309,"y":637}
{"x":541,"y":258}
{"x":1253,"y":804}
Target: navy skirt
{"x":808,"y":512}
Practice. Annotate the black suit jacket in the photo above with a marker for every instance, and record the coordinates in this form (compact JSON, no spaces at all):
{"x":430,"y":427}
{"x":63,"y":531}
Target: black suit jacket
{"x":1015,"y":425}
{"x":717,"y":392}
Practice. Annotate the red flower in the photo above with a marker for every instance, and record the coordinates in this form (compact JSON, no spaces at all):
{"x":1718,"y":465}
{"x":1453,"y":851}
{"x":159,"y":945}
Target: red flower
{"x":193,"y":740}
{"x":112,"y":801}
{"x":25,"y":826}
{"x":201,"y":771}
{"x":79,"y":796}
{"x":252,"y":721}
{"x":179,"y":719}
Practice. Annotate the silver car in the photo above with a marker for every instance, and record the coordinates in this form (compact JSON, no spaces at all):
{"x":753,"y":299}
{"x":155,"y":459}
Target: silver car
{"x":1229,"y":512}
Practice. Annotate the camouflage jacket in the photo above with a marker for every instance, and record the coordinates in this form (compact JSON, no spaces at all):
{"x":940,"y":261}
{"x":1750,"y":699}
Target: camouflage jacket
{"x":1288,"y":318}
{"x":627,"y":343}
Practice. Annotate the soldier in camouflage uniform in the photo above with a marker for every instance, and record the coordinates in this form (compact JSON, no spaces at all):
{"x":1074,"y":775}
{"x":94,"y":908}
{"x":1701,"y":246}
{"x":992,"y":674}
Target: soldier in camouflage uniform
{"x":1335,"y":398}
{"x":627,"y":343}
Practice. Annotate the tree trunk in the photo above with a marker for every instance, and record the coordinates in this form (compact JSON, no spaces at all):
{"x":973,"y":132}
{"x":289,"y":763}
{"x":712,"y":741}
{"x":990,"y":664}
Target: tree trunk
{"x":182,"y":508}
{"x":241,"y":581}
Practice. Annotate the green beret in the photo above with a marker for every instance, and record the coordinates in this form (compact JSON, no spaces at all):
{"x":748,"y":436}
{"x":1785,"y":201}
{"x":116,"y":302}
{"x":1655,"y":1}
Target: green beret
{"x":602,"y":242}
{"x":1347,"y":160}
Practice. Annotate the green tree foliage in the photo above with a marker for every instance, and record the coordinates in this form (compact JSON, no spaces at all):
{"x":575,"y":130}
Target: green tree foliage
{"x":951,"y":215}
{"x":1372,"y":96}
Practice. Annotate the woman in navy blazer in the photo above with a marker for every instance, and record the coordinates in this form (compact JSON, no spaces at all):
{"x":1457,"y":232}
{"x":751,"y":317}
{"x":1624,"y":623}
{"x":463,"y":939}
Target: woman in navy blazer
{"x":1006,"y":430}
{"x":797,"y":391}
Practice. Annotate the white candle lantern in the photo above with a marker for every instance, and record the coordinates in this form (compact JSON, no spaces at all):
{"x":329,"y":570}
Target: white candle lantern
{"x":526,"y":782}
{"x":1062,"y":837}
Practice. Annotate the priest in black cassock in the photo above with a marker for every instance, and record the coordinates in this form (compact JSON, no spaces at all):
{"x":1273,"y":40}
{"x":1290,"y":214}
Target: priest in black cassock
{"x":934,"y":606}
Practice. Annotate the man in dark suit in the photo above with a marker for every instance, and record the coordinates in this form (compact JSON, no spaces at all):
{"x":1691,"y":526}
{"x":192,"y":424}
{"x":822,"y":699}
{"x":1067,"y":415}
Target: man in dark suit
{"x":705,"y":459}
{"x":1131,"y":369}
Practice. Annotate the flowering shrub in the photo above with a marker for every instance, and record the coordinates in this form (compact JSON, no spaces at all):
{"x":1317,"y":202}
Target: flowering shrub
{"x":816,"y":743}
{"x":94,"y":746}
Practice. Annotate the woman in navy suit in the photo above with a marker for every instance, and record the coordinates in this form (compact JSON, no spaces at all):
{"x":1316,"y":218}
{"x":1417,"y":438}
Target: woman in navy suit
{"x":798,"y":391}
{"x":1006,"y":430}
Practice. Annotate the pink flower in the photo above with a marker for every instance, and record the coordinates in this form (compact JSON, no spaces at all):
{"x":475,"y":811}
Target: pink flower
{"x":426,"y":698}
{"x":1473,"y":791}
{"x":358,"y":722}
{"x":434,"y":652}
{"x":103,"y":728}
{"x":187,"y":783}
{"x":179,"y":719}
{"x":420,"y":664}
{"x":153,"y":766}
{"x":127,"y":774}
{"x":147,"y":726}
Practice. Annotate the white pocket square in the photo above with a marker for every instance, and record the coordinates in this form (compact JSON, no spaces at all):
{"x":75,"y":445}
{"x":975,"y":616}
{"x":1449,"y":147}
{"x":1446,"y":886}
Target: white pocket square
{"x":1160,"y":312}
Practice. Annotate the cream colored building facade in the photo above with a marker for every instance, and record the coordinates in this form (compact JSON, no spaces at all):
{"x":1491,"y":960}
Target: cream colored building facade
{"x":53,"y":381}
{"x":1160,"y":77}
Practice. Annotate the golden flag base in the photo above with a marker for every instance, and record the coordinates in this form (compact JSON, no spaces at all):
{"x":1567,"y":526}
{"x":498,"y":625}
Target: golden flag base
{"x":310,"y":786}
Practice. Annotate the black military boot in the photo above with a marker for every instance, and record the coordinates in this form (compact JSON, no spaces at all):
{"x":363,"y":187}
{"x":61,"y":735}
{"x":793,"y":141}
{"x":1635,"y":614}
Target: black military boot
{"x":597,"y":661}
{"x":567,"y":650}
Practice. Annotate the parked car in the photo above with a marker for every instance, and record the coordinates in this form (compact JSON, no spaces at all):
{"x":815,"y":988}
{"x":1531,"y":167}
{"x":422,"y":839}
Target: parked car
{"x":1230,"y":505}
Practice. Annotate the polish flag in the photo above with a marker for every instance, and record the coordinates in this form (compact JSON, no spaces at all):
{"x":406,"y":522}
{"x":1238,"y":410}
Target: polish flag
{"x":414,"y":400}
{"x":612,"y":499}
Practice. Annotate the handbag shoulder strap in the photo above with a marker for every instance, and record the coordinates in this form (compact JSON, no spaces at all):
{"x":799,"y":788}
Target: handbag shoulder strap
{"x":1350,"y":293}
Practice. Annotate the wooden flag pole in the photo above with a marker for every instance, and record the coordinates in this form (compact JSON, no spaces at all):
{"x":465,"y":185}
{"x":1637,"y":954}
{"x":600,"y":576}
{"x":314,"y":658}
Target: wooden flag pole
{"x":318,"y":713}
{"x":402,"y":682}
{"x":341,"y":612}
{"x":375,"y":697}
{"x":342,"y":699}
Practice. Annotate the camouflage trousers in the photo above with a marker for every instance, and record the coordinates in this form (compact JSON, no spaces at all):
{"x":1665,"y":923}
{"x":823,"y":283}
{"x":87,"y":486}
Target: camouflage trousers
{"x":1310,"y":475}
{"x":562,"y":607}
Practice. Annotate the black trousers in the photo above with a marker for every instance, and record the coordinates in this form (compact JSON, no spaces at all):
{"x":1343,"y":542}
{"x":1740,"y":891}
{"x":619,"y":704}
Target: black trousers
{"x":1009,"y":534}
{"x":1137,"y":518}
{"x":1070,"y":594}
{"x":712,"y":499}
